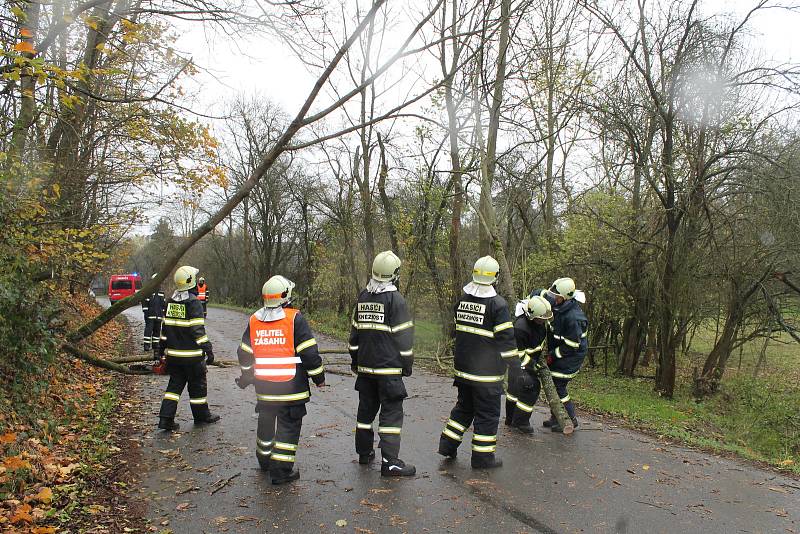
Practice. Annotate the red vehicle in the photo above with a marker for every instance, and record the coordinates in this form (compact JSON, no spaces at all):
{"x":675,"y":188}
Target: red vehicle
{"x":123,"y":285}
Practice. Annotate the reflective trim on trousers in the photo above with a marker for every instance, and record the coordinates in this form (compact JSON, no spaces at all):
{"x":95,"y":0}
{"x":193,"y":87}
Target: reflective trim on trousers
{"x":363,"y":426}
{"x":556,"y":374}
{"x":481,"y":437}
{"x":389,"y":429}
{"x":450,"y":434}
{"x":484,"y":448}
{"x":285,"y":446}
{"x":202,"y":400}
{"x":172,"y":396}
{"x":283,"y":457}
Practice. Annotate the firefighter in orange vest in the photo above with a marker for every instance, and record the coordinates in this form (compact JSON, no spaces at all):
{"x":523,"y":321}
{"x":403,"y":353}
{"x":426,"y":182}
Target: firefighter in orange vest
{"x":278,"y":354}
{"x":203,"y":294}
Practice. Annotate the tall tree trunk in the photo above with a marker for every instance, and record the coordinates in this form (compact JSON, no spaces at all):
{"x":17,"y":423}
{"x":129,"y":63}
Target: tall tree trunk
{"x":28,"y":30}
{"x":388,"y":209}
{"x":489,"y":156}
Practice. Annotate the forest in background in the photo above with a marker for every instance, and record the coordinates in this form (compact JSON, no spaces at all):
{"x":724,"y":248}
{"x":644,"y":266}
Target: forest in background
{"x":648,"y":150}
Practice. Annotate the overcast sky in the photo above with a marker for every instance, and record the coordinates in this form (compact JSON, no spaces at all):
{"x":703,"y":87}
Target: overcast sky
{"x":268,"y":68}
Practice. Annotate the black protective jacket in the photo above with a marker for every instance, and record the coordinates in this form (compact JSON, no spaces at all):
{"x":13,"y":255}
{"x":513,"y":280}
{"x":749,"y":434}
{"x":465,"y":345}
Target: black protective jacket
{"x":382,"y":335}
{"x":153,"y":307}
{"x":531,"y":339}
{"x":296,"y":390}
{"x":567,"y":341}
{"x":484,"y":340}
{"x":183,"y":336}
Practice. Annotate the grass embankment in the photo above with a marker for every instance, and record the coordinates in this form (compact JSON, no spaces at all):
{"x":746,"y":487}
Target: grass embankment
{"x":58,"y":430}
{"x":755,"y":418}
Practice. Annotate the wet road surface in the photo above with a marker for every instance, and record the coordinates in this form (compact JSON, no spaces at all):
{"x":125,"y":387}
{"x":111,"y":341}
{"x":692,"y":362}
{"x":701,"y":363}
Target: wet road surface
{"x":601,"y":479}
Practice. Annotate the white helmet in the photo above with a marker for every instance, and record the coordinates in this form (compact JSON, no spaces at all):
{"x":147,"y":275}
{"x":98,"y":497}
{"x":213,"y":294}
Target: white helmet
{"x":564,"y":288}
{"x":485,"y":271}
{"x":186,"y":277}
{"x":386,"y":267}
{"x":538,"y":308}
{"x":277,"y":291}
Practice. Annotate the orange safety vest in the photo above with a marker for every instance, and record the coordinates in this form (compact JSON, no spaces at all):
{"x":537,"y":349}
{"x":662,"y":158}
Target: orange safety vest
{"x":273,"y":348}
{"x":201,"y":291}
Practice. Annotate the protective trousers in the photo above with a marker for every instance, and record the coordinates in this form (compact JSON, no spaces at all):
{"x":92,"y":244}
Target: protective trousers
{"x":385,"y":395}
{"x":478,"y":406}
{"x":152,"y":331}
{"x":563,"y":394}
{"x":181,"y":375}
{"x":512,"y":394}
{"x":277,"y":436}
{"x":526,"y":401}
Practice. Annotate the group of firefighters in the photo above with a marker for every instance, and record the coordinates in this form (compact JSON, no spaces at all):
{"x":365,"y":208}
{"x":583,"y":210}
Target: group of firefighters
{"x":278,"y":355}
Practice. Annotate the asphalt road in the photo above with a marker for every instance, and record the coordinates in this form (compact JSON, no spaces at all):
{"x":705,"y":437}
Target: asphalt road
{"x":601,"y":479}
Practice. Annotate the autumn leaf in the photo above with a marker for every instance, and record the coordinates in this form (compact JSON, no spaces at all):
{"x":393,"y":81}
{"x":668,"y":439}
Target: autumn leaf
{"x":25,"y":47}
{"x":786,"y":463}
{"x":26,"y":33}
{"x":8,"y":437}
{"x":45,"y":496}
{"x":44,"y":530}
{"x":12,"y":463}
{"x":22,"y":514}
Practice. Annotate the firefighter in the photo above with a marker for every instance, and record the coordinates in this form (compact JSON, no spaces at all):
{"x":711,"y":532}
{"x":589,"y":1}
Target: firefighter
{"x":203,"y":294}
{"x":484,"y":347}
{"x":278,"y":354}
{"x":530,"y":330}
{"x":381,"y":349}
{"x":187,"y":349}
{"x":566,"y":343}
{"x":153,"y":310}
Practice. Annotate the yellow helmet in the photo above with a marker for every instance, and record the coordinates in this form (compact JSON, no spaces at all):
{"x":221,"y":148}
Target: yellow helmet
{"x":186,"y":277}
{"x":277,"y":291}
{"x":538,"y":308}
{"x":386,"y":267}
{"x":485,"y":271}
{"x":564,"y":288}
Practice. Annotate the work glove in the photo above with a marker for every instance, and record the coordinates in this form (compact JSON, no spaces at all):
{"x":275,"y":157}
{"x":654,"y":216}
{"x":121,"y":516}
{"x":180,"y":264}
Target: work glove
{"x":209,"y":357}
{"x":354,"y":368}
{"x":243,"y":381}
{"x":525,"y":380}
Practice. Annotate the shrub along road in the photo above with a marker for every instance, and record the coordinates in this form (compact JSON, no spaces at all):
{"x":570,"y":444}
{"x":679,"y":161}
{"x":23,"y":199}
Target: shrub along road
{"x":601,"y":479}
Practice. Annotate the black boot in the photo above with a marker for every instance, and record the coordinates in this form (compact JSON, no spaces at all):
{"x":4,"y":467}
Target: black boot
{"x":488,"y":461}
{"x":366,"y":459}
{"x":550,"y":422}
{"x":447,"y":452}
{"x":146,"y":347}
{"x":168,"y":424}
{"x":284,"y":477}
{"x":209,"y":418}
{"x":524,"y":428}
{"x":397,"y":468}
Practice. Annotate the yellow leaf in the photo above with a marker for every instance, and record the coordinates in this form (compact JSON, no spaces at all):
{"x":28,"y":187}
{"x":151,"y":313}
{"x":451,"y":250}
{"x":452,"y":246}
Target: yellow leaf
{"x":44,"y":530}
{"x":645,"y":467}
{"x":25,"y":47}
{"x":8,"y":437}
{"x":26,"y":33}
{"x":45,"y":496}
{"x":786,"y":463}
{"x":15,"y":462}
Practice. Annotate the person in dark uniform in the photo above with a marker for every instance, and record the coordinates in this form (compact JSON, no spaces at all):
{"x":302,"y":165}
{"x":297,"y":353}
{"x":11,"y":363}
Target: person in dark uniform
{"x":187,"y":349}
{"x":153,"y":308}
{"x":567,"y":343}
{"x":484,"y":348}
{"x":530,"y":330}
{"x":278,"y":354}
{"x":381,"y":349}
